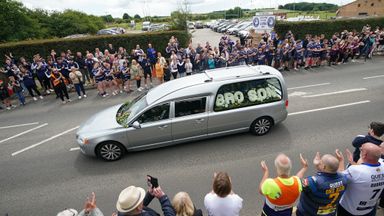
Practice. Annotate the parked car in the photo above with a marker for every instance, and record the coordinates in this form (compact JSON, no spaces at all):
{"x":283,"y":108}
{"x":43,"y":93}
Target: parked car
{"x":108,"y":32}
{"x":225,"y":28}
{"x":199,"y":25}
{"x":247,"y":25}
{"x":214,"y":103}
{"x":236,"y":28}
{"x":146,"y":26}
{"x":191,"y":25}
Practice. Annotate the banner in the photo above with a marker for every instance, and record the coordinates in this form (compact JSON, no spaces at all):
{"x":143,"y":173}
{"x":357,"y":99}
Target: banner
{"x":264,"y":22}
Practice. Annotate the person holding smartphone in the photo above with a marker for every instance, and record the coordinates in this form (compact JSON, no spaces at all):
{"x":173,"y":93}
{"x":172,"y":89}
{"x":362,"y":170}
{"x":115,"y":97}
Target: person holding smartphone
{"x":134,"y":200}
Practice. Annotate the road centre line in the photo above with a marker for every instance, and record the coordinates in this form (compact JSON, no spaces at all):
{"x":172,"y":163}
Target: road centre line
{"x":19,"y":125}
{"x":25,"y":132}
{"x":334,"y":93}
{"x":372,"y":77}
{"x":75,"y":149}
{"x":44,"y":141}
{"x":328,"y":108}
{"x":308,"y":86}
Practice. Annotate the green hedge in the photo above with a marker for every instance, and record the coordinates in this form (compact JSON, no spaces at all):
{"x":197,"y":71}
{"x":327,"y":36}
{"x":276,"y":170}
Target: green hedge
{"x":326,"y":27}
{"x":159,"y":41}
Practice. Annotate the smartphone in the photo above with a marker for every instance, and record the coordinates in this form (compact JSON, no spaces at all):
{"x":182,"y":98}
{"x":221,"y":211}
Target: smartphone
{"x":152,"y":182}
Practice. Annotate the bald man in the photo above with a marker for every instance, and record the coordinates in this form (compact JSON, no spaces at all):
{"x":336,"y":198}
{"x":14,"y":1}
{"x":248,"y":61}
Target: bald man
{"x":365,"y":183}
{"x":281,"y":192}
{"x":322,"y":192}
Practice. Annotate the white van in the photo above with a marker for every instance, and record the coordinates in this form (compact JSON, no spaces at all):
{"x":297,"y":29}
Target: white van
{"x":146,"y":26}
{"x":214,"y":103}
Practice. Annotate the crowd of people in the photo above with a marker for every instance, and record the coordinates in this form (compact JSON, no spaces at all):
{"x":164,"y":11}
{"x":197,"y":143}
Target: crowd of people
{"x":115,"y":71}
{"x":332,"y":190}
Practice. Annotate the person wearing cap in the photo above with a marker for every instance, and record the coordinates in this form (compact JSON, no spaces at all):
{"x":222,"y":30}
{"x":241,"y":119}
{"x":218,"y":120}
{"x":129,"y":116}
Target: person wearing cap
{"x":134,"y":201}
{"x":322,"y":192}
{"x":281,"y":192}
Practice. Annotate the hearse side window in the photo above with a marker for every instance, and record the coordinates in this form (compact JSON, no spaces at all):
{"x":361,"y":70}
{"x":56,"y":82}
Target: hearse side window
{"x":190,"y":107}
{"x":248,"y":93}
{"x":156,"y":113}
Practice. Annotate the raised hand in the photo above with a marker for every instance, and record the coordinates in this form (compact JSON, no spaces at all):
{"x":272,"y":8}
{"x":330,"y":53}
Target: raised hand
{"x":317,"y":159}
{"x":304,"y":162}
{"x":264,"y":166}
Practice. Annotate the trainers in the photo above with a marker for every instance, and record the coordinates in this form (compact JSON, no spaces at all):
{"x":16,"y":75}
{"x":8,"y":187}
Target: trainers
{"x":63,"y":102}
{"x":84,"y":96}
{"x":79,"y":97}
{"x":69,"y":100}
{"x":139,"y":89}
{"x":8,"y":108}
{"x":35,"y":99}
{"x":106,"y":94}
{"x":121,"y":91}
{"x":41,"y":97}
{"x":51,"y":90}
{"x":113,"y":93}
{"x":48,"y":92}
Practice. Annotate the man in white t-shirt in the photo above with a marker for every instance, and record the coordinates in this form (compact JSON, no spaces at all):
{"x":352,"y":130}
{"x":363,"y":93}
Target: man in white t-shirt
{"x":222,"y":201}
{"x":365,"y":183}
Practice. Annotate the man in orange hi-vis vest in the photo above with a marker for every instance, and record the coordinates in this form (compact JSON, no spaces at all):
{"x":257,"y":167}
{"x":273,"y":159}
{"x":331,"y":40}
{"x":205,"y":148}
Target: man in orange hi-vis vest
{"x":281,"y":192}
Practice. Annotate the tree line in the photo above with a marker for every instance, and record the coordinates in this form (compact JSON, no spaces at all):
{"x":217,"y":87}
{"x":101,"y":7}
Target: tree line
{"x":20,"y":23}
{"x":307,"y":6}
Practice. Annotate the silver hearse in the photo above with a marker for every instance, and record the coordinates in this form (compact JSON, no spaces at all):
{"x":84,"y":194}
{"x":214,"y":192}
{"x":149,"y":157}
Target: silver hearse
{"x":214,"y":103}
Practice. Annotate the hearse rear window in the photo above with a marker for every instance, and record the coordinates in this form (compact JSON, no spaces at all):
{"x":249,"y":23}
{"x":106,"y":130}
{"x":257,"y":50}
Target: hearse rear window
{"x":248,"y":93}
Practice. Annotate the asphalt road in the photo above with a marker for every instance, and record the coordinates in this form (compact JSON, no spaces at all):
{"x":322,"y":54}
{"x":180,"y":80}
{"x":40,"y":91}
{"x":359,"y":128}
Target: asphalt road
{"x":328,"y":106}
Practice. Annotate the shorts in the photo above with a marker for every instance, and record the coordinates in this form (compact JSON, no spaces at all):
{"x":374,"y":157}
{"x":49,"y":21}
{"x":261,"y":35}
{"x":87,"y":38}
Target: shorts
{"x":147,"y":74}
{"x":99,"y":79}
{"x":109,"y":78}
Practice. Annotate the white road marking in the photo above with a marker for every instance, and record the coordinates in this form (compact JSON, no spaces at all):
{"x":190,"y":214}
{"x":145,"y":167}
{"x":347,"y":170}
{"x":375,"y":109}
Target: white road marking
{"x":308,"y":86}
{"x":19,"y":125}
{"x":328,"y":108}
{"x":372,"y":77}
{"x":25,"y":132}
{"x":335,"y":93}
{"x":44,"y":141}
{"x":75,"y":149}
{"x":297,"y":93}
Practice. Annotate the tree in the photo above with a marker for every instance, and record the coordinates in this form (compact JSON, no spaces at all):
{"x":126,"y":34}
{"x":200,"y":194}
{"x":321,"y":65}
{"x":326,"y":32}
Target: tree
{"x":181,"y":16}
{"x":108,"y":18}
{"x":137,"y":16}
{"x":126,"y":16}
{"x":15,"y":22}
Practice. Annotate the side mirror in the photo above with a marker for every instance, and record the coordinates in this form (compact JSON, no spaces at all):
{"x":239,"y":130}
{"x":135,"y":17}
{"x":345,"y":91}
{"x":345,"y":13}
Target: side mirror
{"x":136,"y":125}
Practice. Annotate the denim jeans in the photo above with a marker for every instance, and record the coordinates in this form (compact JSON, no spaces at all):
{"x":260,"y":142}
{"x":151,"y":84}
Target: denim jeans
{"x":21,"y":97}
{"x":79,"y":88}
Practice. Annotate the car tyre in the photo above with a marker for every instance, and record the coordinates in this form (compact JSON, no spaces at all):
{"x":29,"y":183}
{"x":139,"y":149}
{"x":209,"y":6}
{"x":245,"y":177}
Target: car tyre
{"x":261,"y":126}
{"x":110,"y":151}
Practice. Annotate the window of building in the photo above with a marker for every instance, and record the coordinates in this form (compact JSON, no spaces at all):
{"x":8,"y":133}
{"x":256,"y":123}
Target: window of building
{"x":363,"y":14}
{"x":373,"y":4}
{"x":358,"y":5}
{"x":190,"y":107}
{"x":248,"y":93}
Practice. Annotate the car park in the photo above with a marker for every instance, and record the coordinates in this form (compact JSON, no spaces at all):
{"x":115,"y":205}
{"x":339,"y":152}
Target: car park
{"x":214,"y":103}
